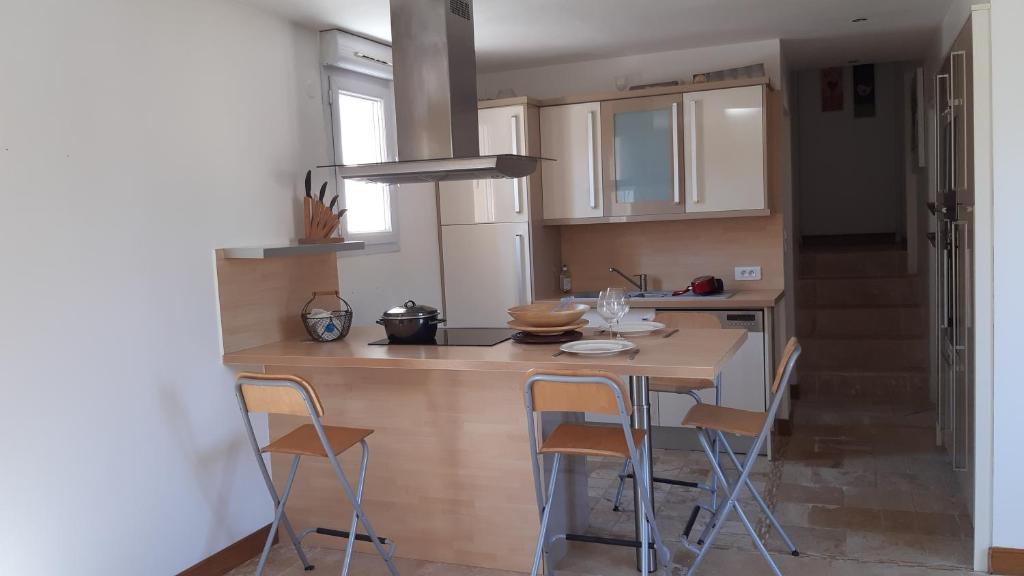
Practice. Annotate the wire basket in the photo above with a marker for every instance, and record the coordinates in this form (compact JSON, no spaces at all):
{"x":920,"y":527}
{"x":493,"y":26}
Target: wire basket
{"x":327,"y":326}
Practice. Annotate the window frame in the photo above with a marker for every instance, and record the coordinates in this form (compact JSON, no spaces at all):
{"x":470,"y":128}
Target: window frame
{"x":341,"y":80}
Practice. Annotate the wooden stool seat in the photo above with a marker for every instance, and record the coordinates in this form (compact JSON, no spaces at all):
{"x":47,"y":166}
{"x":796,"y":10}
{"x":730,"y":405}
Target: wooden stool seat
{"x":305,"y":441}
{"x":680,"y":385}
{"x":584,"y":440}
{"x":732,"y":420}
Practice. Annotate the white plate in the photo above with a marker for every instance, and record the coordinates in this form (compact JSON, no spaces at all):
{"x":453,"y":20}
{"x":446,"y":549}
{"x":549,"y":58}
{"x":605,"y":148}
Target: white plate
{"x":597,"y":347}
{"x":637,"y":328}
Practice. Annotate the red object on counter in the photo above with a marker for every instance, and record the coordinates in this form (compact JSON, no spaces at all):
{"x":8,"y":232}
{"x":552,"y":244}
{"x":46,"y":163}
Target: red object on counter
{"x":703,"y":286}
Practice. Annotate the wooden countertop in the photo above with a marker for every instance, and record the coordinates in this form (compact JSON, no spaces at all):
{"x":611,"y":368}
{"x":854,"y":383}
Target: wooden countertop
{"x":741,"y":299}
{"x":687,"y":354}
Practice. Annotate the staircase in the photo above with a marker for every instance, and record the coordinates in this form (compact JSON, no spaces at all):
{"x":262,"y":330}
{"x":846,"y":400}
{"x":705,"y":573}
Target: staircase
{"x":863,"y":323}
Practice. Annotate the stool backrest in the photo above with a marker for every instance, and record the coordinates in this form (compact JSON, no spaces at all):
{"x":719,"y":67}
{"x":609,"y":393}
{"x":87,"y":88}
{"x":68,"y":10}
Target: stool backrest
{"x":577,"y":391}
{"x":278,"y":394}
{"x":785,"y":367}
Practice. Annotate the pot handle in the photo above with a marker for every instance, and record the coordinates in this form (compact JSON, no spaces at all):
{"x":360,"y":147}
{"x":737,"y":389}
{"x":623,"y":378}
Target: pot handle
{"x":380,"y":321}
{"x":438,"y":321}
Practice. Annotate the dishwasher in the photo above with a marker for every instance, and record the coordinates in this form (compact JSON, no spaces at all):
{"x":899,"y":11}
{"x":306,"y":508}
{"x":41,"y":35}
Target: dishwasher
{"x":745,"y":379}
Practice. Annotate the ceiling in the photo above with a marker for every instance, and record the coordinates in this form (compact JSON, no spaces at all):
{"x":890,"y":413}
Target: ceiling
{"x":528,"y":33}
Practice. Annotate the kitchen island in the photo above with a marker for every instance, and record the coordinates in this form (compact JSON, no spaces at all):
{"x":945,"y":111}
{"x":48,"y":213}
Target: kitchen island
{"x":449,"y":477}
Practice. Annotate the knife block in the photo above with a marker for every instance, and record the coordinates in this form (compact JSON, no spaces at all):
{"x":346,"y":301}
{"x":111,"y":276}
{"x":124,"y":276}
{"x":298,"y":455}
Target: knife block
{"x":319,"y":222}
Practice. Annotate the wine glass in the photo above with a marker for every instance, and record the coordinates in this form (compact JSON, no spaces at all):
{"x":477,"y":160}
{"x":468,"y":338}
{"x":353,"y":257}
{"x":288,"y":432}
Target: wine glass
{"x":606,"y":308}
{"x":621,"y":310}
{"x":612,"y":304}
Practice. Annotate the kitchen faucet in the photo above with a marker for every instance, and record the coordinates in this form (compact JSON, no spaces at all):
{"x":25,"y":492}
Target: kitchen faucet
{"x":641,"y":285}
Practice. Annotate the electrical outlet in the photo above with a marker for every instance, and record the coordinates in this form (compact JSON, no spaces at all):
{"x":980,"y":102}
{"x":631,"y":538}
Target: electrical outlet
{"x":748,"y":272}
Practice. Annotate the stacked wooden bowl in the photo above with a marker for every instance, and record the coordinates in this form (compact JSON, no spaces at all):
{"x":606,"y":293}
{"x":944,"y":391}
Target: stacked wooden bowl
{"x":548,"y":318}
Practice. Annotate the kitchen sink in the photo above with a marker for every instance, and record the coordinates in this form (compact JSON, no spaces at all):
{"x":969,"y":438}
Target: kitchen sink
{"x":651,"y":294}
{"x":648,"y":294}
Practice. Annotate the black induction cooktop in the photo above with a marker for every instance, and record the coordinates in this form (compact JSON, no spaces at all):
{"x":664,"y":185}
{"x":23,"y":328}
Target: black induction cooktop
{"x":459,"y":337}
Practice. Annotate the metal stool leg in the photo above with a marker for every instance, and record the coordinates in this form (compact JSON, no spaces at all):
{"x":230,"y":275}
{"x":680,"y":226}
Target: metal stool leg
{"x":545,"y":513}
{"x":713,"y":508}
{"x":278,"y":514}
{"x":296,"y":541}
{"x":355,"y":517}
{"x":718,"y":402}
{"x":357,"y":509}
{"x":645,"y":510}
{"x":729,"y":505}
{"x":760,"y":501}
{"x":625,"y":466}
{"x":622,"y":484}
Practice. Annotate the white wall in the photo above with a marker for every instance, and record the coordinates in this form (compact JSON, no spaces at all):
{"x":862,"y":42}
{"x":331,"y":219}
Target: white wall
{"x":136,"y":136}
{"x":1008,"y":204}
{"x":373,"y":283}
{"x":600,"y":75}
{"x":851,"y":171}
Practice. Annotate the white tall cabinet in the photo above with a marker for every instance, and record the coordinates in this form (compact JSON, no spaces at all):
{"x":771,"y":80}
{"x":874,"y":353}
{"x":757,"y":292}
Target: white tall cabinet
{"x":494,"y":252}
{"x":725,"y":149}
{"x":571,"y":135}
{"x":502,"y":131}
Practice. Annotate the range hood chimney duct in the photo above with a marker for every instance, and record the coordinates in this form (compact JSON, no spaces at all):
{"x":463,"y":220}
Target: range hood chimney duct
{"x":435,"y":78}
{"x":435,"y":100}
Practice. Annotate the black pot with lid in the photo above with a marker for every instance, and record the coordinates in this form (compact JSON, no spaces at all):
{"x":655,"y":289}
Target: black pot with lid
{"x":411,"y":323}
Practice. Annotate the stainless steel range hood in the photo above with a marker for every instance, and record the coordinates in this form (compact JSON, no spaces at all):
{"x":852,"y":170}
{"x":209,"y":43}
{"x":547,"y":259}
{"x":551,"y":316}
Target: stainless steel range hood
{"x":435,"y":100}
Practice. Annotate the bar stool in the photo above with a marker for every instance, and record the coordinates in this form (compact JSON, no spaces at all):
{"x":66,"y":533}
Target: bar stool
{"x":594,"y":391}
{"x":711,"y":422}
{"x":689,"y":386}
{"x":294,"y":396}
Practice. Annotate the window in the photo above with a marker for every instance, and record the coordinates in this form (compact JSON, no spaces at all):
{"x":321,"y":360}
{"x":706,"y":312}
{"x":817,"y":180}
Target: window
{"x":363,"y":126}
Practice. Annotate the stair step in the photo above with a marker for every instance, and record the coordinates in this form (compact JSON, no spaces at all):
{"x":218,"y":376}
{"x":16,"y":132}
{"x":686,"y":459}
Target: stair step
{"x":877,"y":292}
{"x":822,"y":263}
{"x":862,"y":322}
{"x":909,"y":387}
{"x":864,"y":354}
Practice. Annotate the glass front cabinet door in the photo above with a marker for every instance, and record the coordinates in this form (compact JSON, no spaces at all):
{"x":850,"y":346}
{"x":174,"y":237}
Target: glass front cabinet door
{"x":642,"y":153}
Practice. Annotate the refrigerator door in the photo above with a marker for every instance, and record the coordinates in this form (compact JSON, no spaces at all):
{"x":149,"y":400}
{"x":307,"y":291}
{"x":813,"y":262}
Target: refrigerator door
{"x":486,"y":271}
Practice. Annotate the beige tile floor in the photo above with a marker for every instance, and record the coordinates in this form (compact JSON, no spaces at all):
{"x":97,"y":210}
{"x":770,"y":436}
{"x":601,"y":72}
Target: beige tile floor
{"x":861,"y":490}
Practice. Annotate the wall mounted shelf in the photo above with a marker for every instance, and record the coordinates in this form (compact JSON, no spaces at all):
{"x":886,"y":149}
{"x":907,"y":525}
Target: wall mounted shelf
{"x":259,"y":252}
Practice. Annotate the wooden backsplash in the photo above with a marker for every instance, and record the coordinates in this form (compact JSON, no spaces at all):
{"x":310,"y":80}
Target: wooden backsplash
{"x":672,"y":253}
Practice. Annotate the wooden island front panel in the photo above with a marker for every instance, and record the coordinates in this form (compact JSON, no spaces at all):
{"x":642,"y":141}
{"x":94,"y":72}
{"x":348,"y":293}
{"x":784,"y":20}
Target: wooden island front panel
{"x":449,"y":476}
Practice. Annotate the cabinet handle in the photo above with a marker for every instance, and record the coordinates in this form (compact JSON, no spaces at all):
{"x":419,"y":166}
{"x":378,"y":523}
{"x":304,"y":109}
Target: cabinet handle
{"x":591,"y":160}
{"x":957,"y":296}
{"x":694,"y":177}
{"x":516,"y":205}
{"x":937,"y":139}
{"x":948,"y":266}
{"x":951,"y":169}
{"x":954,"y":409}
{"x":962,"y":102}
{"x":675,"y":152}
{"x":517,"y":244}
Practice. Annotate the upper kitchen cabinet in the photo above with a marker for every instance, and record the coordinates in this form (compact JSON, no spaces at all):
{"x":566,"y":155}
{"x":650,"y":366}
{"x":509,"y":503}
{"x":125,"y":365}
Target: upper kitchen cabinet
{"x":667,"y":153}
{"x":571,"y":135}
{"x":725,"y":150}
{"x":641,"y":151}
{"x":502,"y":131}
